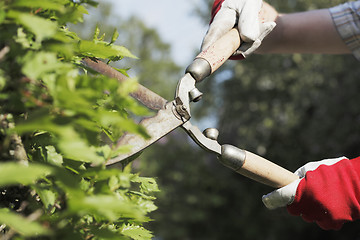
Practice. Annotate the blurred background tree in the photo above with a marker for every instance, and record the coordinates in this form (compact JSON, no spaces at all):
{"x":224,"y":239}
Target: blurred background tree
{"x":290,"y":109}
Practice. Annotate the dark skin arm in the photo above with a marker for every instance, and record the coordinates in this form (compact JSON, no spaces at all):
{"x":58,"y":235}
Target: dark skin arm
{"x":304,"y":32}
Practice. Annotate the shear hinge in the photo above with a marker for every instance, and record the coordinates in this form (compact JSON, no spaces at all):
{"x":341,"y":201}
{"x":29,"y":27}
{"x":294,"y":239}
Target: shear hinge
{"x":182,"y":110}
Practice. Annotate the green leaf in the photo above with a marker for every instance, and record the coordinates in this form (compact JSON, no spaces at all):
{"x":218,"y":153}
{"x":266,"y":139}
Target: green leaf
{"x":106,"y":234}
{"x":24,"y":226}
{"x":90,"y":2}
{"x":15,"y":173}
{"x":114,"y":36}
{"x":53,"y":157}
{"x":120,"y":150}
{"x":130,"y":126}
{"x":67,"y":180}
{"x":2,"y":15}
{"x":123,"y":71}
{"x":32,"y":23}
{"x":147,"y":185}
{"x":2,"y":80}
{"x":103,"y":50}
{"x":96,"y":33}
{"x":108,"y":206}
{"x":52,"y":5}
{"x":69,"y":141}
{"x":38,"y":64}
{"x":38,"y":120}
{"x":74,"y":147}
{"x":136,"y":232}
{"x":147,"y":203}
{"x":25,"y":40}
{"x":63,"y":49}
{"x":75,"y":14}
{"x":47,"y":196}
{"x":105,"y":174}
{"x":122,"y":51}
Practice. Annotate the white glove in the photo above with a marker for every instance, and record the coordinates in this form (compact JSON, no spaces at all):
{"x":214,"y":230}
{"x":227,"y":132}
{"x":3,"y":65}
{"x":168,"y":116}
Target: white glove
{"x":244,"y":14}
{"x":285,"y":196}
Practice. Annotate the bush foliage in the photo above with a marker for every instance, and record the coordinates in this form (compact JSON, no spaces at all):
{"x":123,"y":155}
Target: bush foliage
{"x":56,"y":117}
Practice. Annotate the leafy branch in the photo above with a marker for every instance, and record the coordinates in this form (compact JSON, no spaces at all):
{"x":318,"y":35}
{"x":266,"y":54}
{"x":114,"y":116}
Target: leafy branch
{"x":59,"y":122}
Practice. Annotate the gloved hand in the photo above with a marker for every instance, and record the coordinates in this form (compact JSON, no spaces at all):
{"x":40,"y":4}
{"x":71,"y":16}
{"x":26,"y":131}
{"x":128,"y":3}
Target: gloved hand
{"x":226,"y":14}
{"x":328,"y":193}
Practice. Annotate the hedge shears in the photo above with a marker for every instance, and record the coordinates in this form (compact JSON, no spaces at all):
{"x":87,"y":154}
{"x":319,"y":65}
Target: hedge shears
{"x":176,"y":113}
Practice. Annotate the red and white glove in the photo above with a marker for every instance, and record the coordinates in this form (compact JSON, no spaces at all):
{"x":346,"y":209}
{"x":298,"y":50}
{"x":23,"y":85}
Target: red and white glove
{"x":328,"y":193}
{"x":226,"y":14}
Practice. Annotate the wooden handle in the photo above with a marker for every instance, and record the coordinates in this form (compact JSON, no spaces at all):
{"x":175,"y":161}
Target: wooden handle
{"x":255,"y":167}
{"x":221,"y":50}
{"x":209,"y":60}
{"x":266,"y":172}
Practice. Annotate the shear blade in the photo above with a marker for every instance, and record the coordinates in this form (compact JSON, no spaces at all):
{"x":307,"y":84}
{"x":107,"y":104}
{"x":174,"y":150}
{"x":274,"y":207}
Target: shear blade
{"x":157,"y":126}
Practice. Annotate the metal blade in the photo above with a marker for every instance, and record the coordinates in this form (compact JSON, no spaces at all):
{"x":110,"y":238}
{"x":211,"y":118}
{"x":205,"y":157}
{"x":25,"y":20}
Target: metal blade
{"x":144,"y":95}
{"x":158,"y":126}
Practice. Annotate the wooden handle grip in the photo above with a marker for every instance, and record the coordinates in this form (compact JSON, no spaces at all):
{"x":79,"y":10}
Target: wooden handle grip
{"x":266,"y":172}
{"x":255,"y":167}
{"x":221,"y":50}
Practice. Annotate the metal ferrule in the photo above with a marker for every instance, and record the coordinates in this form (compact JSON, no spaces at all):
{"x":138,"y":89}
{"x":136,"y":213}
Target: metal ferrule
{"x":232,"y":157}
{"x":199,"y":69}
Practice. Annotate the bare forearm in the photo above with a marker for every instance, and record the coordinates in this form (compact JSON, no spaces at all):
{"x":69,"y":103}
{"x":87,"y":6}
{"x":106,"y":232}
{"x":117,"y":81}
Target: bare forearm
{"x":305,"y":32}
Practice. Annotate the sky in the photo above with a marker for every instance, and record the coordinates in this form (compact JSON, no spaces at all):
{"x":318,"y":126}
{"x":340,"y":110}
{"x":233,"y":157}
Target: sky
{"x":175,"y":21}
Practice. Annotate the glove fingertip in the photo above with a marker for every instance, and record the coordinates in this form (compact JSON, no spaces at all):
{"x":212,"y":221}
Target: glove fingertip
{"x":249,"y":35}
{"x":249,"y":26}
{"x":282,"y":196}
{"x":266,"y":199}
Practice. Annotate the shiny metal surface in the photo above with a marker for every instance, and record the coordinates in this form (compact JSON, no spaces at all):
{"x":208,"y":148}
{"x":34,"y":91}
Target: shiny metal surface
{"x":200,"y":68}
{"x":158,"y":126}
{"x":232,"y":157}
{"x":211,"y":133}
{"x":204,"y":142}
